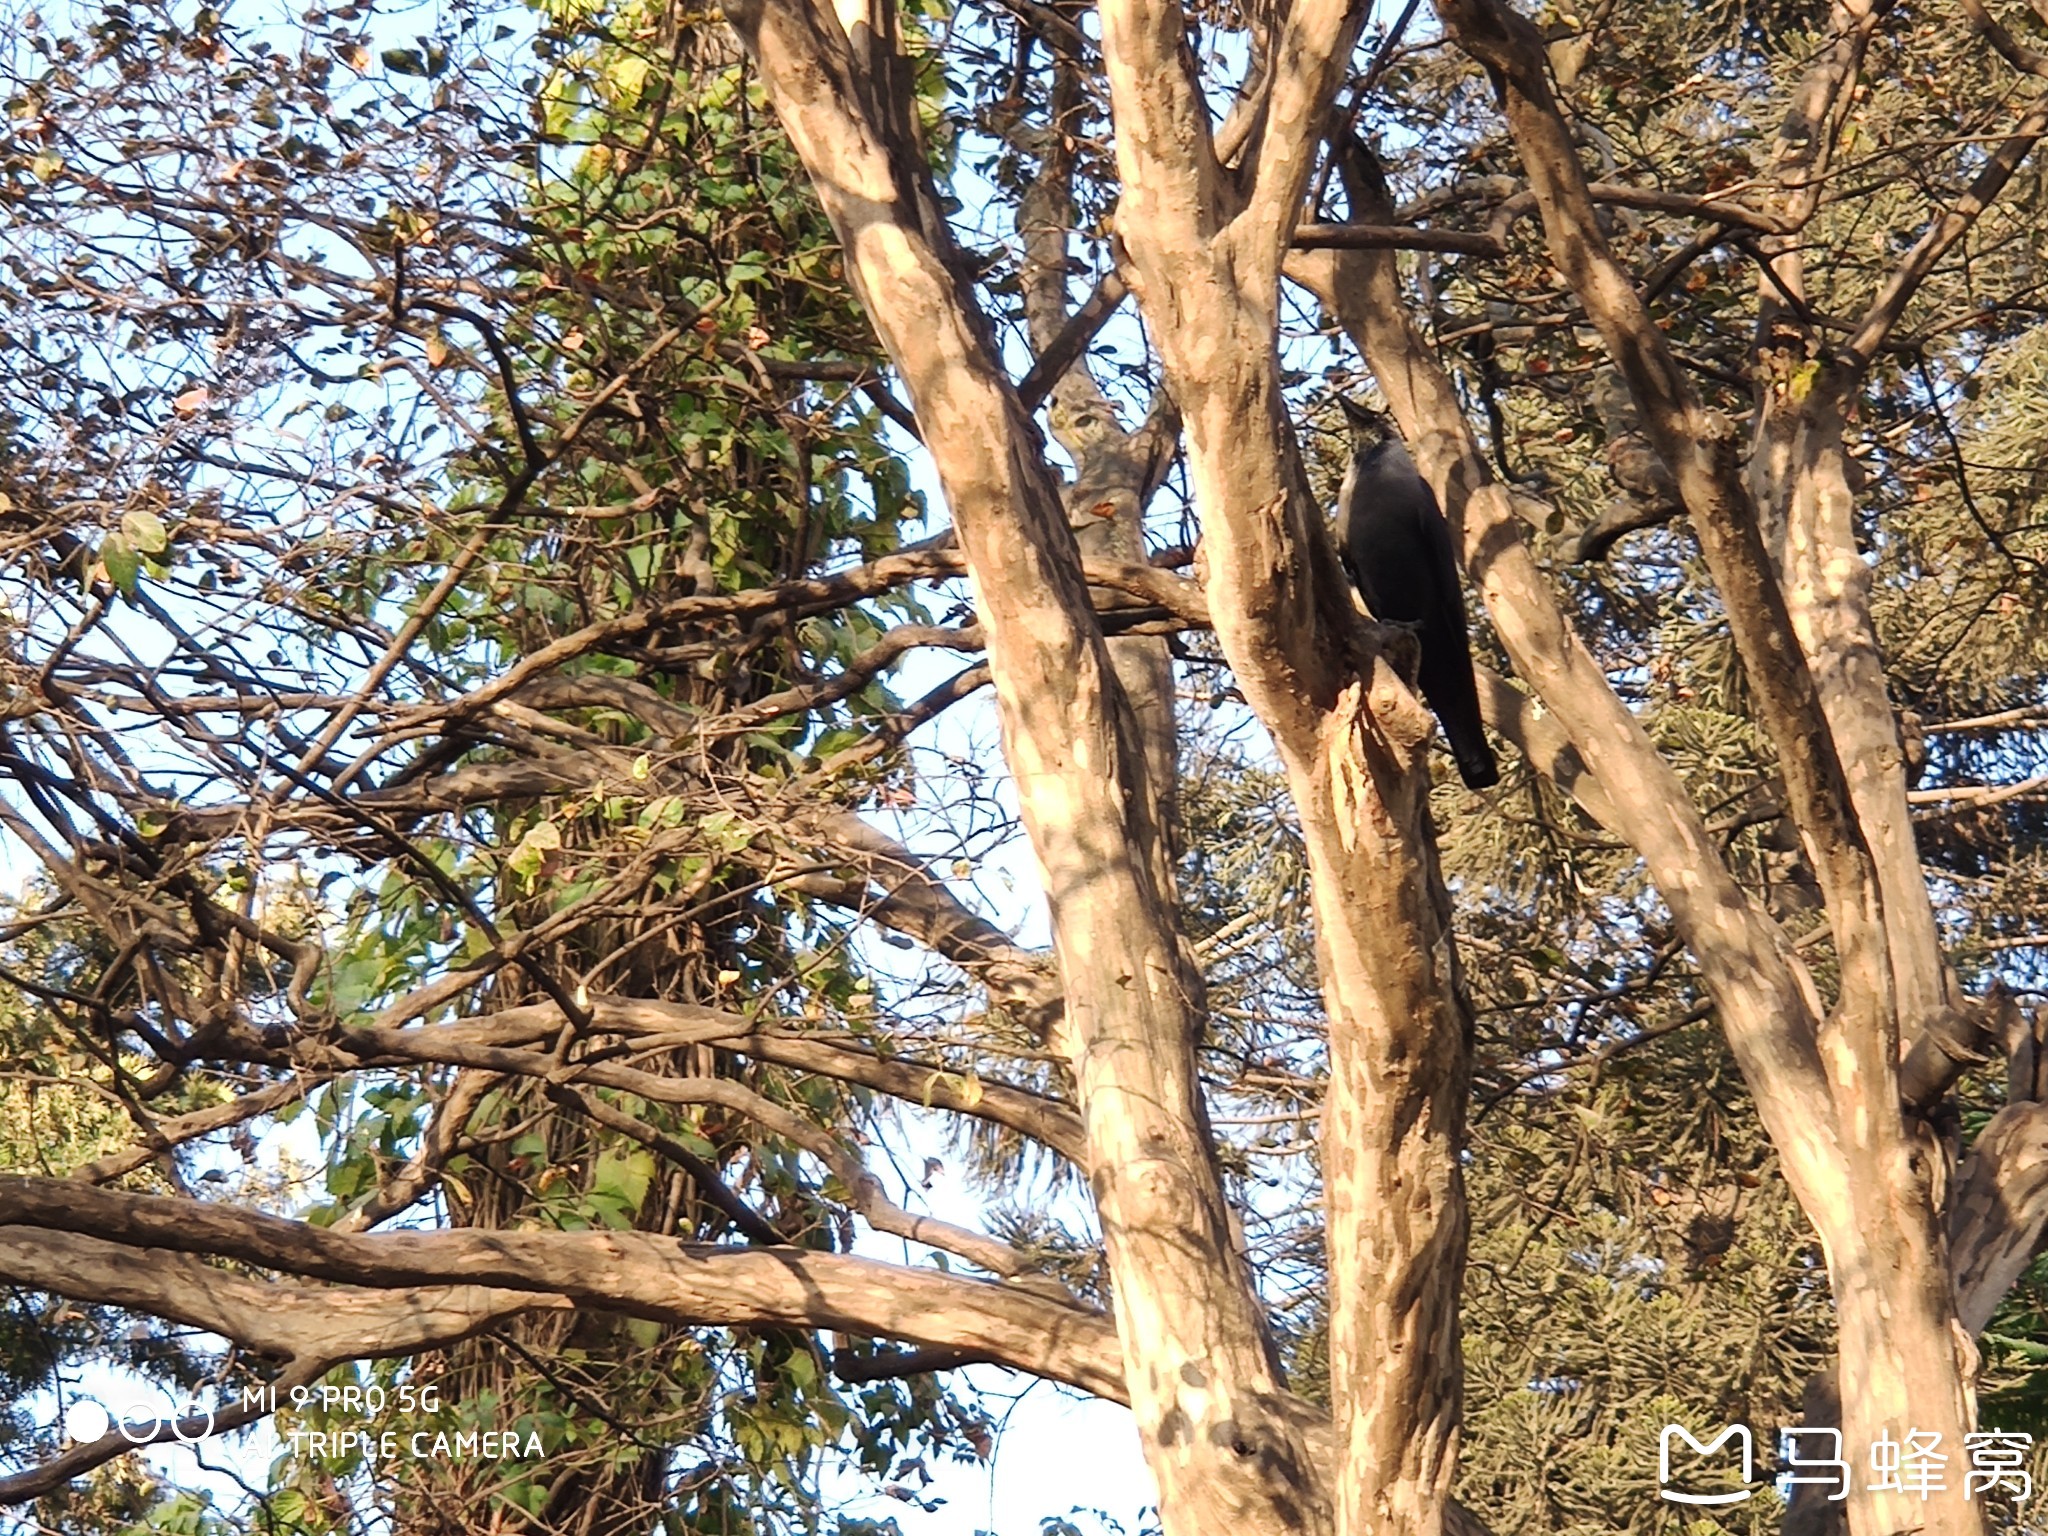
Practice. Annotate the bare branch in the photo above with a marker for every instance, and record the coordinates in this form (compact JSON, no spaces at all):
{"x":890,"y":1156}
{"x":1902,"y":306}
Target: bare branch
{"x":2027,"y":61}
{"x":1066,"y":348}
{"x":628,"y":1272}
{"x":1394,"y":237}
{"x":1889,"y":306}
{"x":1545,"y":743}
{"x":170,"y":1134}
{"x":422,"y":1171}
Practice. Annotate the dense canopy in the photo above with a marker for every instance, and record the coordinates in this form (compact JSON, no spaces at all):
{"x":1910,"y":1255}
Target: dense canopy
{"x":633,"y":635}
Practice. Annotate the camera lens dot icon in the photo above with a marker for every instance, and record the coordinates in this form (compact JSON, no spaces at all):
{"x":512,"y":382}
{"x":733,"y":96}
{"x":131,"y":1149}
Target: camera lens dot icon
{"x":85,"y":1422}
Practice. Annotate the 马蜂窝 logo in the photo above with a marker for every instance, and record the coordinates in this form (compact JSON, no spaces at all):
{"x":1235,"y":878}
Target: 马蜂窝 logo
{"x":1671,"y":1433}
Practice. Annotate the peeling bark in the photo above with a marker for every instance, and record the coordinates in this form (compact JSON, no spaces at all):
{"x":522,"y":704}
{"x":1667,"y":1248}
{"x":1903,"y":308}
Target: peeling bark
{"x":1205,"y":260}
{"x":1196,"y":1355}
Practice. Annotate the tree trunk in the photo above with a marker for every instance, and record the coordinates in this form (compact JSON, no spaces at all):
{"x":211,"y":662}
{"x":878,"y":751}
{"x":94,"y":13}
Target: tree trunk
{"x":1217,"y":1433}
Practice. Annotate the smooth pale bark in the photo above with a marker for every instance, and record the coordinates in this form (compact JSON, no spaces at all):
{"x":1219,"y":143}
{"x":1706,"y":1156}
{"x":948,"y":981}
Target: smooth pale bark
{"x":2000,"y":1209}
{"x":1216,"y":1431}
{"x":1825,"y":1082}
{"x":1799,"y":475}
{"x":1115,"y":471}
{"x":633,"y":1273}
{"x":1205,"y":249}
{"x":1800,"y":484}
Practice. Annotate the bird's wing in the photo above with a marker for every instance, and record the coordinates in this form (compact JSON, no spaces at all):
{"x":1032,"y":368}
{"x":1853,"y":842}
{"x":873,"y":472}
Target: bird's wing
{"x":1354,"y":539}
{"x":1447,"y":601}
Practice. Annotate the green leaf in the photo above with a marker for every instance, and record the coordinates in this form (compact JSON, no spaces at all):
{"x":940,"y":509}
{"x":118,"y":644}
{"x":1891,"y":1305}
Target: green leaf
{"x":350,"y":1177}
{"x":624,"y":1177}
{"x":404,"y":61}
{"x":628,"y":73}
{"x":118,"y":555}
{"x":695,"y":1143}
{"x":289,"y":1506}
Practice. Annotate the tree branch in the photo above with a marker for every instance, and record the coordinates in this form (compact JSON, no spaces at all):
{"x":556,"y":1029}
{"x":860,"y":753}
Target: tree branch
{"x":632,"y":1273}
{"x":1066,"y":348}
{"x":167,"y":1135}
{"x":2000,"y":1211}
{"x":1394,"y":237}
{"x":2027,"y":61}
{"x":1700,"y":448}
{"x":1889,"y":306}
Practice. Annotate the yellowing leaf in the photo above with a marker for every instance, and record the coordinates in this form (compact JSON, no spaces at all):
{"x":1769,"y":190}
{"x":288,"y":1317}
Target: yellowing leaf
{"x":147,"y":530}
{"x":533,"y":849}
{"x":628,"y":73}
{"x":642,"y":767}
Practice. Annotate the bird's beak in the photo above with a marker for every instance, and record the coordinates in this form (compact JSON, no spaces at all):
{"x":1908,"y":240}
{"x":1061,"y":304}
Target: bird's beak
{"x":1364,"y":417}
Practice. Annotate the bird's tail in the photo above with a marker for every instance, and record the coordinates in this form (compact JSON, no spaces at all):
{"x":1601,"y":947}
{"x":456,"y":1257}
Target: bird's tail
{"x":1453,"y":695}
{"x":1476,"y":765}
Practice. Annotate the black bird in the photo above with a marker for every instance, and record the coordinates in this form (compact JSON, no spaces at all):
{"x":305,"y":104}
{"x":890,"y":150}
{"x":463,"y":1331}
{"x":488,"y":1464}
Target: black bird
{"x":1397,"y":547}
